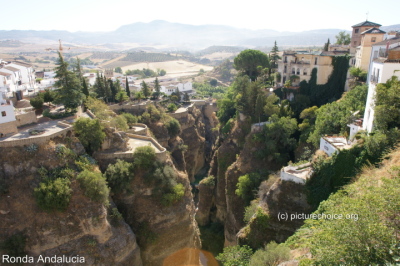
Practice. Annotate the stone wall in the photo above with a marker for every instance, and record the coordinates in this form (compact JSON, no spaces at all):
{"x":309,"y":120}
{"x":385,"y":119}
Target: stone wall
{"x":26,"y":119}
{"x":8,"y":128}
{"x":38,"y":139}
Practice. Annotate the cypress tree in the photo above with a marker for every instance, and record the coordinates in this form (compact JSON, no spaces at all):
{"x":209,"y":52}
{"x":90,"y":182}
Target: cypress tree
{"x":84,"y":87}
{"x":128,"y":92}
{"x":157,"y":87}
{"x":145,"y":89}
{"x":107,"y":90}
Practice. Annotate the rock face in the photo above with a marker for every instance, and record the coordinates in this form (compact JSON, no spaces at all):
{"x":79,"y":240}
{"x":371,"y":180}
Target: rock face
{"x":84,"y":229}
{"x":161,"y":230}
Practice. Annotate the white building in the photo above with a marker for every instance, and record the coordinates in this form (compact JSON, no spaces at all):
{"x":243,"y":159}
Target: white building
{"x":298,"y":174}
{"x":182,"y":87}
{"x":386,"y":65}
{"x":332,"y":144}
{"x":7,"y":116}
{"x":7,"y":82}
{"x":27,"y":73}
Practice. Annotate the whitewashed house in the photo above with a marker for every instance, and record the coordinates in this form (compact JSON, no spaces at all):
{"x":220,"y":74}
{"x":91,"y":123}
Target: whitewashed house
{"x":382,"y":68}
{"x":7,"y":115}
{"x":332,"y":144}
{"x":298,"y":174}
{"x":182,"y":87}
{"x":27,"y":74}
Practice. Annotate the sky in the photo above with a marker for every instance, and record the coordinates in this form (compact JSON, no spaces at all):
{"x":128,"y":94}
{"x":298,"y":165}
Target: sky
{"x":108,"y":15}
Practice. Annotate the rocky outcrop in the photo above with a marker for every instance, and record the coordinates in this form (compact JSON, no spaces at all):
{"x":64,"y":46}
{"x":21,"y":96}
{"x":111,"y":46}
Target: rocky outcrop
{"x":85,"y":228}
{"x":161,"y":230}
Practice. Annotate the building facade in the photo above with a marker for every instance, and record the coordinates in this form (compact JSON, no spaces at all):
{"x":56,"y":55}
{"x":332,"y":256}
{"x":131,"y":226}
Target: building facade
{"x":363,"y":52}
{"x":356,"y":33}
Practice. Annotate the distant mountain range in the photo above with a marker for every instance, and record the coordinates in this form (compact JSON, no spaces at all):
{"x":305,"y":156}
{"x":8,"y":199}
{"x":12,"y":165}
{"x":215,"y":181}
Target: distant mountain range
{"x":179,"y":36}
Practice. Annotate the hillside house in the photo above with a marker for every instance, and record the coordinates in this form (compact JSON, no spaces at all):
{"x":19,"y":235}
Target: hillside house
{"x":297,"y":174}
{"x":299,"y":64}
{"x":7,"y":116}
{"x":386,"y":65}
{"x":363,"y":51}
{"x":332,"y":144}
{"x":358,"y":29}
{"x":182,"y":87}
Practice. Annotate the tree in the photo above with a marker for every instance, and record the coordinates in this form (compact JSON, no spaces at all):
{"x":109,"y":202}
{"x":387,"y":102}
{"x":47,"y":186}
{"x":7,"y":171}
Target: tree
{"x":213,"y":82}
{"x":36,"y":102}
{"x":358,"y":73}
{"x":119,"y":175}
{"x":145,"y":89}
{"x":128,"y":91}
{"x":235,"y":256}
{"x":326,"y":46}
{"x":107,"y":90}
{"x":139,"y":95}
{"x":113,"y":89}
{"x":90,"y":133}
{"x":248,"y":61}
{"x":173,"y":127}
{"x":118,"y":70}
{"x":78,"y":69}
{"x":157,"y":88}
{"x":387,"y":104}
{"x":69,"y":92}
{"x":95,"y":186}
{"x":274,"y":57}
{"x":343,"y":38}
{"x":247,"y":186}
{"x":85,"y":89}
{"x":144,"y":157}
{"x":162,"y":72}
{"x":271,"y":255}
{"x":121,"y":96}
{"x":99,"y":86}
{"x":186,"y":97}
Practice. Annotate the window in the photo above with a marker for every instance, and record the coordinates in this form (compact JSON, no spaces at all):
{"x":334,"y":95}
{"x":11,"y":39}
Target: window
{"x":285,"y":59}
{"x":3,"y":113}
{"x":316,"y":60}
{"x":355,"y":42}
{"x":356,"y":30}
{"x":298,"y":71}
{"x":305,"y":72}
{"x":293,"y":71}
{"x":373,"y":39}
{"x":284,"y":69}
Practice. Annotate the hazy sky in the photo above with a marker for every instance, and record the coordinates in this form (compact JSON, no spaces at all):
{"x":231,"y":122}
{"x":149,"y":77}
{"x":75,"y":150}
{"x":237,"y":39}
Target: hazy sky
{"x":287,"y":15}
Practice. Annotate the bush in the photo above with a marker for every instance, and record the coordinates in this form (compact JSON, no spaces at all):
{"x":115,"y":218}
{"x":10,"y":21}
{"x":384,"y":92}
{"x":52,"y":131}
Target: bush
{"x":120,"y":123}
{"x":53,"y":195}
{"x":177,"y":193}
{"x":119,"y":175}
{"x":172,"y":107}
{"x":37,"y":102}
{"x":115,"y":216}
{"x":273,"y":254}
{"x":208,"y":181}
{"x":235,"y":256}
{"x":173,"y":127}
{"x":143,"y":157}
{"x":130,"y":118}
{"x":247,"y":186}
{"x":14,"y":246}
{"x":250,"y":211}
{"x":90,"y":133}
{"x":95,"y":186}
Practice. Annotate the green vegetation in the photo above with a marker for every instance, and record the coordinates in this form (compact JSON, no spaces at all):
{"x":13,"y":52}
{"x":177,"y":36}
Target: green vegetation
{"x":271,"y":255}
{"x":37,"y":102}
{"x":248,"y":62}
{"x":387,"y":105}
{"x":173,"y":126}
{"x":207,"y":90}
{"x":70,"y":92}
{"x":343,"y":38}
{"x":235,"y":255}
{"x":94,"y":185}
{"x":208,"y":181}
{"x":247,"y":186}
{"x":274,"y":57}
{"x":119,"y":175}
{"x":130,"y":119}
{"x":143,"y":157}
{"x":14,"y":246}
{"x":176,"y":194}
{"x":53,"y":195}
{"x":367,"y":232}
{"x":212,"y":238}
{"x":254,"y":231}
{"x":172,"y":107}
{"x":358,"y":73}
{"x":90,"y":133}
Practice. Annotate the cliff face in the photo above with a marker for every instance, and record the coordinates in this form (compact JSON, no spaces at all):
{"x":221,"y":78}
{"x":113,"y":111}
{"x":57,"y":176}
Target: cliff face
{"x":84,"y":229}
{"x":161,"y":230}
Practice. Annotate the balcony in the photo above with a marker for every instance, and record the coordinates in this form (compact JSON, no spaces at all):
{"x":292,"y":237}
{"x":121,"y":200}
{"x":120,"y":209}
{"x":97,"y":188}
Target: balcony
{"x":300,"y":62}
{"x":374,"y":79}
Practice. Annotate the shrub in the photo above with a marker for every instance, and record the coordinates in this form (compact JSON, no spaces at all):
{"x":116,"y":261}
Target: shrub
{"x":53,"y":195}
{"x":85,"y":162}
{"x":130,"y":118}
{"x":235,"y":255}
{"x":273,"y":254}
{"x":14,"y":246}
{"x":172,"y":107}
{"x":116,"y":216}
{"x":95,"y":186}
{"x":120,"y":123}
{"x":119,"y":175}
{"x":177,"y":193}
{"x":37,"y":102}
{"x":247,"y":186}
{"x":173,"y":127}
{"x":32,"y":148}
{"x":143,"y":157}
{"x":250,"y":211}
{"x":64,"y":152}
{"x":90,"y":133}
{"x":208,"y":181}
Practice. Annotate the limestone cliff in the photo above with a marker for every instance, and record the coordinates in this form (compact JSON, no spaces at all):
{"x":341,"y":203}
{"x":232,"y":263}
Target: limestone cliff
{"x":85,"y":228}
{"x":161,"y":230}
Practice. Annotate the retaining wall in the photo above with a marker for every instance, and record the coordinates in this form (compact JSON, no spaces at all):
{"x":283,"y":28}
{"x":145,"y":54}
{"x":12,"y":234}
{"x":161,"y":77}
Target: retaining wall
{"x":38,"y":139}
{"x":26,"y":118}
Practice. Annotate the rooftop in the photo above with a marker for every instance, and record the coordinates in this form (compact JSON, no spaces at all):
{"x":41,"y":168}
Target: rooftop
{"x":373,"y":31}
{"x":367,"y":23}
{"x":390,"y":41}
